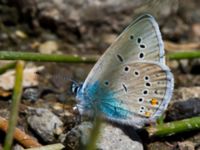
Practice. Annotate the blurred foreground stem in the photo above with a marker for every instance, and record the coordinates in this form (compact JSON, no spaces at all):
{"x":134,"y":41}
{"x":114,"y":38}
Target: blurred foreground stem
{"x":91,"y":145}
{"x":15,"y":105}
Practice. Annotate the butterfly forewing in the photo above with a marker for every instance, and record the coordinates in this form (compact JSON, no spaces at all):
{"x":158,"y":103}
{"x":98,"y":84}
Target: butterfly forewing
{"x":141,"y":40}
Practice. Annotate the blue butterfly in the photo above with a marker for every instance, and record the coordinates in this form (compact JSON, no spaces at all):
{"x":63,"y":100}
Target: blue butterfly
{"x":130,"y":83}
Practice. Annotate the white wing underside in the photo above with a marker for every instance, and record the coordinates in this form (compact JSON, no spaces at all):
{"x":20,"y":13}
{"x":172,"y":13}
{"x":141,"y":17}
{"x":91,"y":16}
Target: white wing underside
{"x":129,"y":49}
{"x":140,"y":49}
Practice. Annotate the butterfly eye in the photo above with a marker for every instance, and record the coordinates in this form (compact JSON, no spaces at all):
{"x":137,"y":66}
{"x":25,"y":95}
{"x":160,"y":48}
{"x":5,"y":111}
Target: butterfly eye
{"x":75,"y":88}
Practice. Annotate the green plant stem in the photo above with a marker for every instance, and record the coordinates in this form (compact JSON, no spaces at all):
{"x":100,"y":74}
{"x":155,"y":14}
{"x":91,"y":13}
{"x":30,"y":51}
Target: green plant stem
{"x":7,"y":66}
{"x":174,"y":127}
{"x":94,"y":134}
{"x":15,"y":105}
{"x":10,"y":55}
{"x":184,"y":55}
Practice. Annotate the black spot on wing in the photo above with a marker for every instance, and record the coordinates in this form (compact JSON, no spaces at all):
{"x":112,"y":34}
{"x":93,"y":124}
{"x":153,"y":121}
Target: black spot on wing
{"x":126,"y":68}
{"x":139,"y":40}
{"x":142,"y":46}
{"x":125,"y":88}
{"x":120,"y":58}
{"x":141,"y":55}
{"x":131,"y":37}
{"x":148,"y":84}
{"x":106,"y":83}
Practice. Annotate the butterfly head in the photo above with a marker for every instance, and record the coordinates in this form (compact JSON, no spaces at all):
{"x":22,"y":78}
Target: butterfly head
{"x":75,"y":88}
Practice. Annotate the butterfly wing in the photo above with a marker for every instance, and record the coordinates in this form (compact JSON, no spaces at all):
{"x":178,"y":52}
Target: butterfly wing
{"x":115,"y":86}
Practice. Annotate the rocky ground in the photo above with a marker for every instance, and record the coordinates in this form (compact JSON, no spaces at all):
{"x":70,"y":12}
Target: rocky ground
{"x":89,"y":27}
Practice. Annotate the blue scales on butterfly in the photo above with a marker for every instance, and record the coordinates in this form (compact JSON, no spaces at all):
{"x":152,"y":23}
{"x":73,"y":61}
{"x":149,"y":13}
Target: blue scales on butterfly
{"x":100,"y":98}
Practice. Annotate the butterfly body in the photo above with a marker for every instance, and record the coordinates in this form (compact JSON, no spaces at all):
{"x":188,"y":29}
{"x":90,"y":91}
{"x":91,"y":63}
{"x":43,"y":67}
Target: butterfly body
{"x":130,"y":83}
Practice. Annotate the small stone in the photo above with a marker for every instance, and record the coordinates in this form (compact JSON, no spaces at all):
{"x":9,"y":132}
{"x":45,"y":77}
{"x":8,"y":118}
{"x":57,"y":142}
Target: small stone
{"x":20,"y":34}
{"x":78,"y":136}
{"x":45,"y":123}
{"x":157,"y":145}
{"x":109,"y":38}
{"x":17,"y":147}
{"x":30,"y":78}
{"x":114,"y":138}
{"x":31,"y":94}
{"x":186,"y":145}
{"x":184,"y":93}
{"x":185,"y":103}
{"x":48,"y":47}
{"x":110,"y":138}
{"x":196,"y":29}
{"x":184,"y":109}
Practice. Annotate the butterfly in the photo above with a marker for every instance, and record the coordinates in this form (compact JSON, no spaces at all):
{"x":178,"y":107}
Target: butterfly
{"x":130,"y":83}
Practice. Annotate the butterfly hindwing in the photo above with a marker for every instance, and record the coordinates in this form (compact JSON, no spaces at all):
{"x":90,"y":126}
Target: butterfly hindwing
{"x":142,"y":88}
{"x":134,"y":94}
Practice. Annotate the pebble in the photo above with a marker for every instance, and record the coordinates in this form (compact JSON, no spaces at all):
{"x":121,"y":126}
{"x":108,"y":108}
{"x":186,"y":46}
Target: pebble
{"x":187,"y":145}
{"x":185,"y":103}
{"x":48,"y":47}
{"x":17,"y":147}
{"x":184,"y":109}
{"x":20,"y":34}
{"x":110,"y":138}
{"x":196,"y":29}
{"x":31,"y":94}
{"x":78,"y":136}
{"x":114,"y":138}
{"x":46,"y":124}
